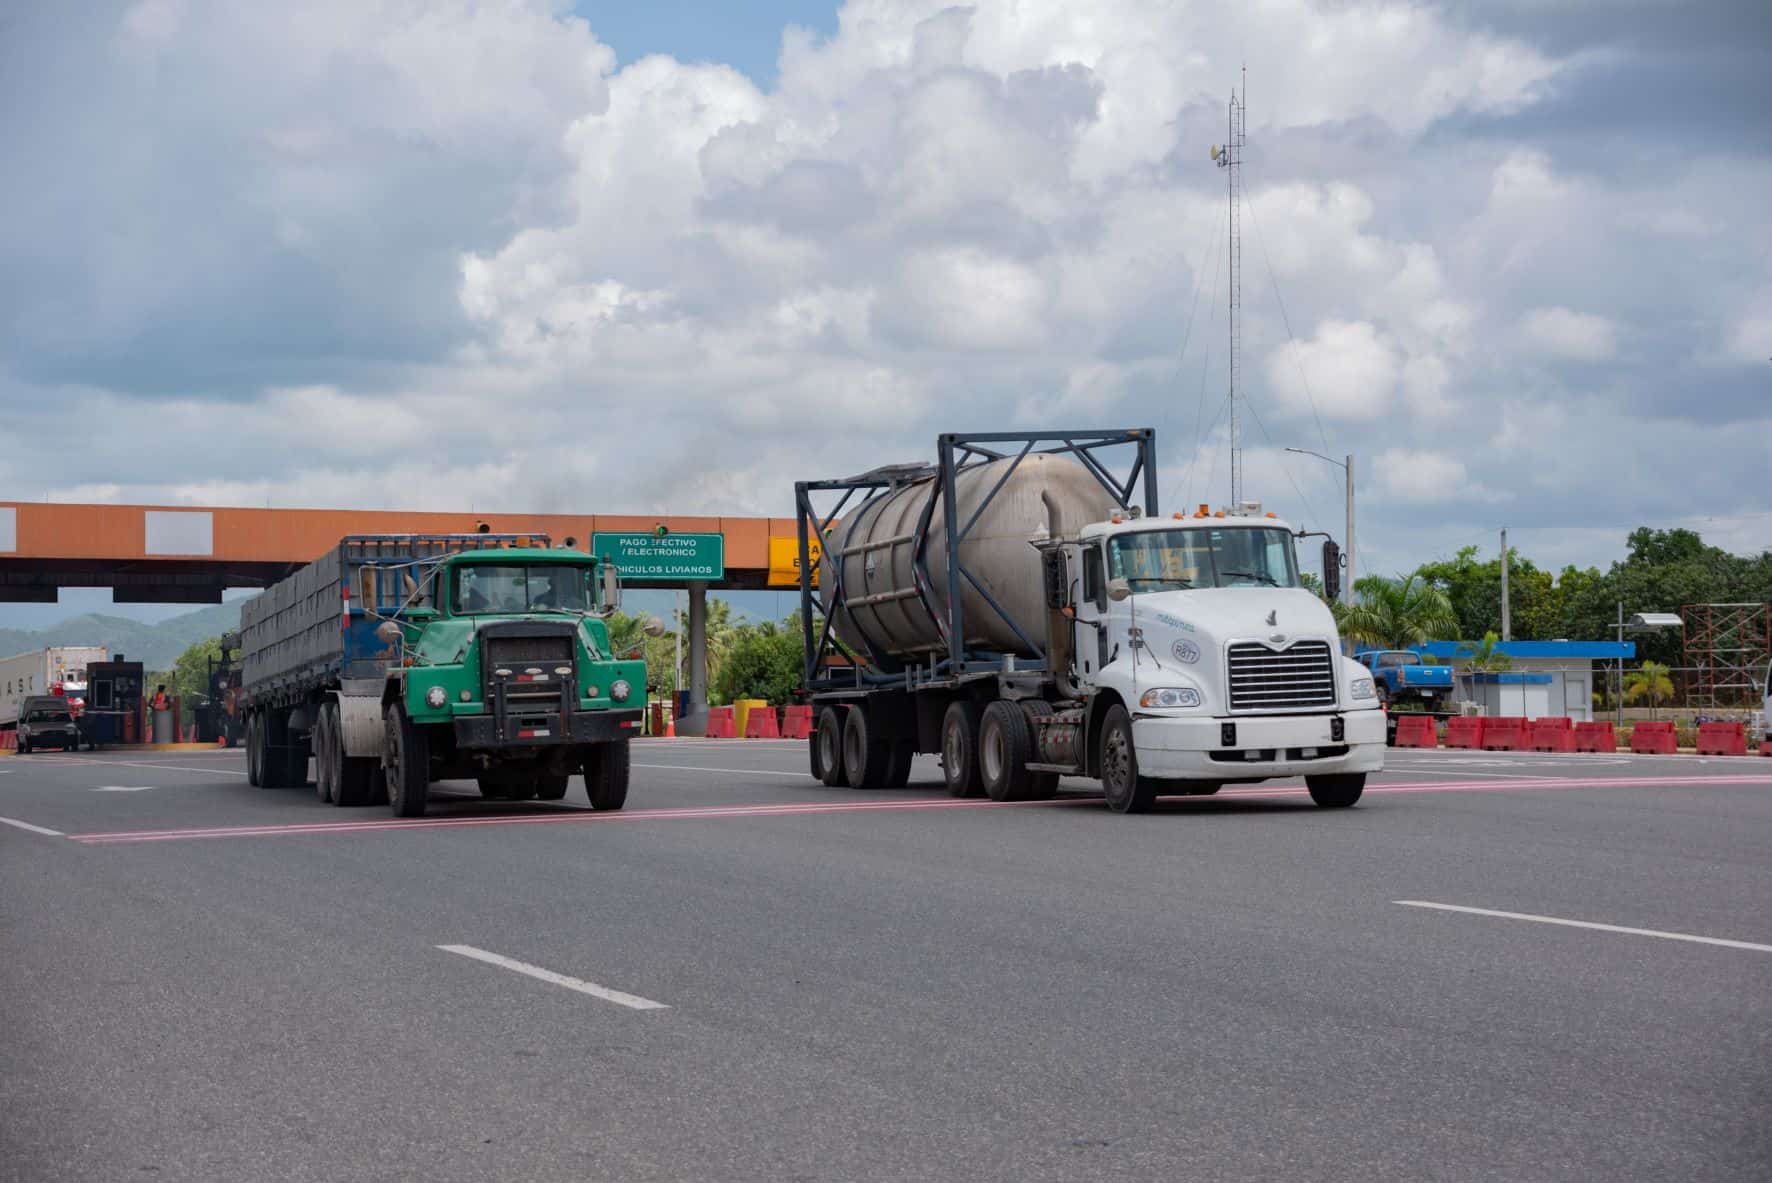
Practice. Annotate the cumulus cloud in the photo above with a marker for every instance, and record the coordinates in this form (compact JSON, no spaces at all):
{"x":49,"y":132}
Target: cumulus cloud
{"x":396,"y":253}
{"x":1577,"y":336}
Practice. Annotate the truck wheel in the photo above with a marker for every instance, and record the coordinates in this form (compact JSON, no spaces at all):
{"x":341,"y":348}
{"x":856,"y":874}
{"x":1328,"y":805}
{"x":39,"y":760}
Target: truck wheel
{"x":959,"y":749}
{"x":550,"y":788}
{"x":865,"y":754}
{"x":606,"y":775}
{"x":829,"y":739}
{"x":295,"y":765}
{"x":406,"y":758}
{"x":1005,"y":745}
{"x":326,"y":756}
{"x":1124,"y":790}
{"x":1338,"y":791}
{"x":898,"y":765}
{"x":254,"y":773}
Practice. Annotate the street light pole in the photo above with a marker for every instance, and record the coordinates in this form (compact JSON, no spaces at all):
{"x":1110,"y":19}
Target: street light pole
{"x":1347,"y":585}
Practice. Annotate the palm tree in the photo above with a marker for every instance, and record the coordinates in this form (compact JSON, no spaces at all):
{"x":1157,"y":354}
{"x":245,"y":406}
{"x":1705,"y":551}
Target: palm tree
{"x":1650,"y":682}
{"x":1396,"y":613}
{"x":1484,"y":657}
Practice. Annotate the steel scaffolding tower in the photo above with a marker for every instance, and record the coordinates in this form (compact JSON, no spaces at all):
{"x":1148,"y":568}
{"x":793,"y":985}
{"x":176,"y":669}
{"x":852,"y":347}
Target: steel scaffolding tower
{"x":1230,"y":158}
{"x":1727,"y":648}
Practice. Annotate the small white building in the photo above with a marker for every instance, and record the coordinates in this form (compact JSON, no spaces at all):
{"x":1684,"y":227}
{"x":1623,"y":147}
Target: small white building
{"x":1548,"y":679}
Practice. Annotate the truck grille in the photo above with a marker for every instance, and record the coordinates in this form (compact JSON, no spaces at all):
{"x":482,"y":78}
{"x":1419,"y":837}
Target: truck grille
{"x":1300,"y":675}
{"x":524,"y":651}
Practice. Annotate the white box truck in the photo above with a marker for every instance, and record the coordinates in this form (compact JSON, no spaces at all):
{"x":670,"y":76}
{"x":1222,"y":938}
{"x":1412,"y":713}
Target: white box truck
{"x":39,"y":672}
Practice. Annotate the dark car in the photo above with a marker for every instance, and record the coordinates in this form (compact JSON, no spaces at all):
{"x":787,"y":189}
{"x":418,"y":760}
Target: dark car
{"x":45,"y":722}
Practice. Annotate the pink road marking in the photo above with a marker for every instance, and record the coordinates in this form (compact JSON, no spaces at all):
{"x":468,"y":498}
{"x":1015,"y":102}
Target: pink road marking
{"x":790,"y":808}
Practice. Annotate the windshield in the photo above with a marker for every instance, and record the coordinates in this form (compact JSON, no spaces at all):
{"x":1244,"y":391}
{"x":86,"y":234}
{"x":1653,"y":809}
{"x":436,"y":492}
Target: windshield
{"x":512,"y":587}
{"x":1229,"y":556}
{"x":48,"y":716}
{"x":1391,"y":659}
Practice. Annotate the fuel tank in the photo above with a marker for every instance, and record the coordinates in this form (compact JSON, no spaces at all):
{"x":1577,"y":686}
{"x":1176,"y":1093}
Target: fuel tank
{"x":877,"y":544}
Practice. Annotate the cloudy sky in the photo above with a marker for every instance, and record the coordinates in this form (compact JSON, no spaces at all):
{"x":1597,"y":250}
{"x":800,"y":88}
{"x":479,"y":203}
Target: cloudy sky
{"x":522,"y":254}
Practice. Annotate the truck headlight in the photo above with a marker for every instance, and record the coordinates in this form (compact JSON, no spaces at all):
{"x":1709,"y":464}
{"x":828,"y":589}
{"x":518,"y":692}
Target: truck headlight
{"x":436,"y":698}
{"x":1170,"y":696}
{"x":619,"y":690}
{"x":1361,"y":688}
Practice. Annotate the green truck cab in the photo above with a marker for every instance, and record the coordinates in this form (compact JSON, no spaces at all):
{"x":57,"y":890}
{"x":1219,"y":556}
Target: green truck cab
{"x":442,"y":657}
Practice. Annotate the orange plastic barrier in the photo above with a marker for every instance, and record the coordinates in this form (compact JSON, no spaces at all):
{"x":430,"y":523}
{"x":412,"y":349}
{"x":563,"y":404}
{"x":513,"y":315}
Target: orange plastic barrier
{"x":1504,"y":735}
{"x":760,"y":724}
{"x":1416,"y":731}
{"x":8,"y":741}
{"x":1465,"y":731}
{"x":1595,"y":737}
{"x":1722,"y":739}
{"x":721,"y":724}
{"x":1653,"y":739}
{"x":1766,"y":747}
{"x":1553,"y":735}
{"x":796,"y":722}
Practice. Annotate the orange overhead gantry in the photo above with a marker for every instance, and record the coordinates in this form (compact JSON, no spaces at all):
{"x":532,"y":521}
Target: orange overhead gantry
{"x":188,"y":554}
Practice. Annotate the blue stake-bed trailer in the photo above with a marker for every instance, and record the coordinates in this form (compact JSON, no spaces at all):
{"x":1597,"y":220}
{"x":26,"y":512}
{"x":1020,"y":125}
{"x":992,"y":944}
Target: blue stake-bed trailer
{"x":395,"y":660}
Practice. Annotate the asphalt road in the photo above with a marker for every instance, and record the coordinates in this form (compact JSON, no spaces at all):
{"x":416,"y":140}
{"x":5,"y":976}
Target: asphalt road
{"x":201,"y":980}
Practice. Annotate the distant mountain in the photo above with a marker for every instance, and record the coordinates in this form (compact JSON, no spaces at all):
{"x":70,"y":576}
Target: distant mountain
{"x":156,"y":646}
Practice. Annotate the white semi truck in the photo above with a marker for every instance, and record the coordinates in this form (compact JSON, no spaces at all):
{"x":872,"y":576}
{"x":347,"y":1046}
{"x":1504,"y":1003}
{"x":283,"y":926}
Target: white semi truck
{"x":1020,"y":610}
{"x":39,"y":672}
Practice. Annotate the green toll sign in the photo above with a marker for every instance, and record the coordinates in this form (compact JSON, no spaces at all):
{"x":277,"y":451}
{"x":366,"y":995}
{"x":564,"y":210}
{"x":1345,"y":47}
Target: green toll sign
{"x":664,"y":558}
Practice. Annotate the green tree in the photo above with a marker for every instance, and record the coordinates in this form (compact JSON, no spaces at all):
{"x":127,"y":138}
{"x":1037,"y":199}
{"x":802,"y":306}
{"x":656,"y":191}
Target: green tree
{"x":1650,"y":682}
{"x":1395,"y":613}
{"x":1483,"y":657}
{"x":764,"y":662}
{"x":628,"y":638}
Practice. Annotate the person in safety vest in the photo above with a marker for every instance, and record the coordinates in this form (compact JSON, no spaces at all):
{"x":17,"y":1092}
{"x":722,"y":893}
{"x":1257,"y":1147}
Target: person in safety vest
{"x":159,"y":700}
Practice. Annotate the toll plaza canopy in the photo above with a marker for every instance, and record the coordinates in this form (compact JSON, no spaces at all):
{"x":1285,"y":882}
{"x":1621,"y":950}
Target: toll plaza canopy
{"x":183,"y":554}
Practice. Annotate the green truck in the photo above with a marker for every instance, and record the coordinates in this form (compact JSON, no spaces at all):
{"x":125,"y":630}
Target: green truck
{"x":393,"y":661}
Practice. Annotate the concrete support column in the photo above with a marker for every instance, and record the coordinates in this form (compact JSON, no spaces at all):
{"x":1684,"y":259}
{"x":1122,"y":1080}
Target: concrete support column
{"x":696,"y":720}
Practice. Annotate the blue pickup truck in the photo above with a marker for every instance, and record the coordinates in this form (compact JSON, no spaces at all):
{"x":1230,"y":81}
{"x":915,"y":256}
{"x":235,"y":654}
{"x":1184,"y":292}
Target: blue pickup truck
{"x":1402,"y":677}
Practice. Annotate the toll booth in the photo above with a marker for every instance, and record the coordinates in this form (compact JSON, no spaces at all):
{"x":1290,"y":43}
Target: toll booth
{"x":113,"y":713}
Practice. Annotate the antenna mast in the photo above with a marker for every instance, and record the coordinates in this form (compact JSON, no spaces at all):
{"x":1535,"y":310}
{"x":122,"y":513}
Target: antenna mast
{"x":1230,"y":158}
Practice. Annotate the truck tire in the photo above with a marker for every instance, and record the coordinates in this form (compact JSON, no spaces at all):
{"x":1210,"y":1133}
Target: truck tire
{"x":606,"y":775}
{"x":959,"y":749}
{"x":1123,"y":789}
{"x":326,"y":755}
{"x":1338,"y":791}
{"x":898,"y":765}
{"x":814,"y":757}
{"x":829,"y":738}
{"x":406,"y":759}
{"x":295,"y":764}
{"x":551,"y":788}
{"x":254,"y":767}
{"x":865,"y":753}
{"x":1005,"y":745}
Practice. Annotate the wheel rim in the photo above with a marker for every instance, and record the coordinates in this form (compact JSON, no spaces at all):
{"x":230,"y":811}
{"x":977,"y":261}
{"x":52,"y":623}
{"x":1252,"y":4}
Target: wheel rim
{"x":953,"y":750}
{"x":991,"y":752}
{"x":1115,"y":766}
{"x":828,"y":753}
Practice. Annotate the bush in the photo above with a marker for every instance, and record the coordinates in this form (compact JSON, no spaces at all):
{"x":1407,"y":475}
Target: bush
{"x":765,"y":662}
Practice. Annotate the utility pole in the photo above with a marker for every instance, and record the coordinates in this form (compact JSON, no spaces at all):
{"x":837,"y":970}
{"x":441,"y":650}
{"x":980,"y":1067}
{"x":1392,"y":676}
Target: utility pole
{"x":1348,"y":594}
{"x":1347,"y":467}
{"x":1507,"y":616}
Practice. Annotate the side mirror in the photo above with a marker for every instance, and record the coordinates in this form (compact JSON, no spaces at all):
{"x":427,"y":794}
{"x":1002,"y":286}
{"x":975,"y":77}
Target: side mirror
{"x":654,"y":627}
{"x":1331,"y":570}
{"x":1119,"y":590}
{"x":389,"y":632}
{"x":611,"y":587}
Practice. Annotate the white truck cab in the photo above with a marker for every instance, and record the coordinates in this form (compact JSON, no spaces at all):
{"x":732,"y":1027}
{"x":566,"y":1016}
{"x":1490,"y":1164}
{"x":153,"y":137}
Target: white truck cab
{"x":1230,"y":669}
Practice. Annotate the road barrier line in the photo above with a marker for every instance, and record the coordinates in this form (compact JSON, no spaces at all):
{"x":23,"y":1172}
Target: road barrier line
{"x":619,"y":997}
{"x":44,"y":830}
{"x":1635,"y":932}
